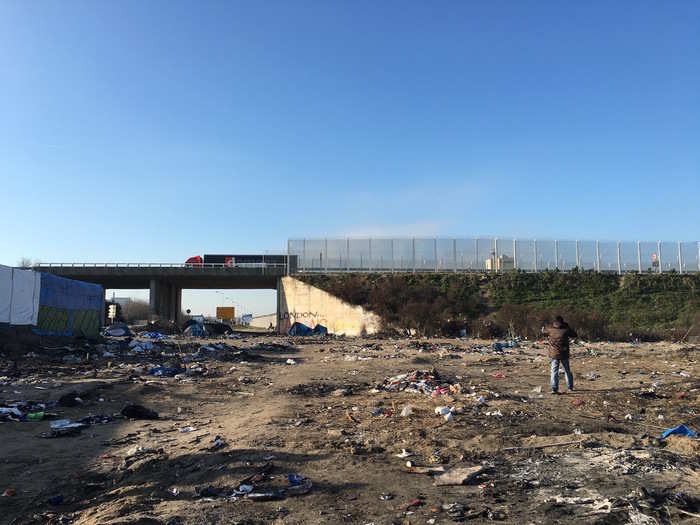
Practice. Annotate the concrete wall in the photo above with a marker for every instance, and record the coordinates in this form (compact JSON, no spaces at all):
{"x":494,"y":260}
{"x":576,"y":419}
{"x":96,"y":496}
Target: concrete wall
{"x":301,"y":302}
{"x":263,"y":321}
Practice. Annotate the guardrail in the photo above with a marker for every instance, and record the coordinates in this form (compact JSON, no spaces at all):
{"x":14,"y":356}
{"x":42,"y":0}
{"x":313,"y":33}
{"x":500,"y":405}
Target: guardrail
{"x":158,"y":265}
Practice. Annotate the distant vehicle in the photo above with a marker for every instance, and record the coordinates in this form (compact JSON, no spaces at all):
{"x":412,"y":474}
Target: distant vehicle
{"x":251,"y":261}
{"x":194,"y":261}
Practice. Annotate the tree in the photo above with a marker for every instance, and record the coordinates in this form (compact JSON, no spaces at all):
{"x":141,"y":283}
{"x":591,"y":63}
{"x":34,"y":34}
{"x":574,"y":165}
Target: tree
{"x":25,"y":262}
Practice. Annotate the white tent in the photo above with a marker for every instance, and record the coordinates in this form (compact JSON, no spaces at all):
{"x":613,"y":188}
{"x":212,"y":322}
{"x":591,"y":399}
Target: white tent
{"x":19,"y":296}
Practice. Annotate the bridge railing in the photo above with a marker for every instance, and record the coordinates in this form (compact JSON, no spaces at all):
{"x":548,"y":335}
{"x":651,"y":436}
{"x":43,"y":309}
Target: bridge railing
{"x":158,"y":265}
{"x":491,"y":254}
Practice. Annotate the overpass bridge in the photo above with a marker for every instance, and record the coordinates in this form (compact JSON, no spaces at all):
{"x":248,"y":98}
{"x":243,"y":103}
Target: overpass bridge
{"x":166,"y":281}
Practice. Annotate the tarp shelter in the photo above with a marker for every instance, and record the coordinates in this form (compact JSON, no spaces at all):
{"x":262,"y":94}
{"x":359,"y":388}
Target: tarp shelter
{"x":319,"y":329}
{"x":68,"y":307}
{"x":19,"y":296}
{"x":195,"y":330}
{"x":300,"y":329}
{"x":53,"y":305}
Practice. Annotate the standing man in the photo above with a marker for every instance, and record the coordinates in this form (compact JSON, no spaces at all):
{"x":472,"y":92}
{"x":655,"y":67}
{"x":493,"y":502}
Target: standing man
{"x":559,"y":334}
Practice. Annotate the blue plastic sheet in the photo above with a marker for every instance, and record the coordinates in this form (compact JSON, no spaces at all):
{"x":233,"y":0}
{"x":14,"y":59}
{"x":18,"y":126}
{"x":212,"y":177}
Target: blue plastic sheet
{"x":155,"y":335}
{"x":300,"y":329}
{"x":680,"y":430}
{"x":319,"y":329}
{"x":59,"y":292}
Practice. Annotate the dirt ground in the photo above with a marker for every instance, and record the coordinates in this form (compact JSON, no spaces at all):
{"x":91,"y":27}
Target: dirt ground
{"x":318,"y":408}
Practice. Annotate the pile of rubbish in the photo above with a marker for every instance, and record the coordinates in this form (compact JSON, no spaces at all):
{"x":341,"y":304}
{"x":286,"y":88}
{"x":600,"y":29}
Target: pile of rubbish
{"x":250,"y":489}
{"x":426,"y":382}
{"x":117,"y":330}
{"x":67,"y":427}
{"x":499,"y":346}
{"x":25,"y":411}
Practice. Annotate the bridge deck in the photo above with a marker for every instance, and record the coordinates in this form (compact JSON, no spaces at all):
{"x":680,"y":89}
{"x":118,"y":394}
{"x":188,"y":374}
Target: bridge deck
{"x":127,"y":276}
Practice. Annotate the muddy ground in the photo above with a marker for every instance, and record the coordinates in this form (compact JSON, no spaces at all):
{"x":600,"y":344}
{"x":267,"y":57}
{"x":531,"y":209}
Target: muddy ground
{"x":317,"y":408}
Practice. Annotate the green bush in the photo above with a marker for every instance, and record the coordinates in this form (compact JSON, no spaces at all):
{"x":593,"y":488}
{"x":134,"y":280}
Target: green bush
{"x":599,"y":305}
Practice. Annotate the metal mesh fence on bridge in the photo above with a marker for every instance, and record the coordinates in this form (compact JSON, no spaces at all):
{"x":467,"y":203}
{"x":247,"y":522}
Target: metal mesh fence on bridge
{"x":492,"y":254}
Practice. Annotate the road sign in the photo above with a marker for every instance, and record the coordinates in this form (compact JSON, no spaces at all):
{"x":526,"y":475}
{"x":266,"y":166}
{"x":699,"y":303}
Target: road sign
{"x":225,"y":313}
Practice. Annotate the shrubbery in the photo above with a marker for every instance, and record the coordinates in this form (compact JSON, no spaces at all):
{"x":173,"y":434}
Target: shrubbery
{"x":600,"y":306}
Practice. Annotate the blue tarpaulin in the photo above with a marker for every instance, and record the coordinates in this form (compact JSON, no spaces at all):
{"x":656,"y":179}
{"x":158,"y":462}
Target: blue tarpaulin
{"x":59,"y":292}
{"x":300,"y":329}
{"x":68,"y":307}
{"x":319,"y":329}
{"x":680,"y":430}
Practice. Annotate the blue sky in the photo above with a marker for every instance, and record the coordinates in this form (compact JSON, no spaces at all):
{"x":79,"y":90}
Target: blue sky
{"x":152,"y":131}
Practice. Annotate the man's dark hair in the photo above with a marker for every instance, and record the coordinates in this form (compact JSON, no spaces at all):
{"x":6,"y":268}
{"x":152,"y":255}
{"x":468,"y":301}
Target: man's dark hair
{"x":559,"y":319}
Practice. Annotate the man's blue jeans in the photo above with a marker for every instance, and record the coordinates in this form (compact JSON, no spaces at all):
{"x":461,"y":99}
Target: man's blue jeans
{"x":554,"y":374}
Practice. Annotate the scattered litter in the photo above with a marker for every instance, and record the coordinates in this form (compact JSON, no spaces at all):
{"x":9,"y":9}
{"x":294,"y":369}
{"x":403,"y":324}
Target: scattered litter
{"x":404,"y":454}
{"x":219,"y":442}
{"x":417,"y":381}
{"x":456,"y":511}
{"x":295,"y":479}
{"x":637,"y":518}
{"x":164,"y":371}
{"x":243,"y":490}
{"x":65,"y":423}
{"x":117,"y":330}
{"x":140,"y":346}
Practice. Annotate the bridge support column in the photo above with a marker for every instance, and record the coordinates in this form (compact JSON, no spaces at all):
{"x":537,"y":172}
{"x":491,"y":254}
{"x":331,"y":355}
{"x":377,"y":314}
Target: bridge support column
{"x":174,"y":303}
{"x":164,"y":301}
{"x":178,"y":303}
{"x":153,"y":299}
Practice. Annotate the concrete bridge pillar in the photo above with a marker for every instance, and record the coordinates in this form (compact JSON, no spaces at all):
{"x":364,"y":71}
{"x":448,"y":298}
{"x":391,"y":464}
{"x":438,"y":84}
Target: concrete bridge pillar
{"x":164,"y":301}
{"x":153,"y":299}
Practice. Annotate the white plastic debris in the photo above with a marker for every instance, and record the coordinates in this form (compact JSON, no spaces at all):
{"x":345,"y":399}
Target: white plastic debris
{"x":404,"y":454}
{"x":65,"y":423}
